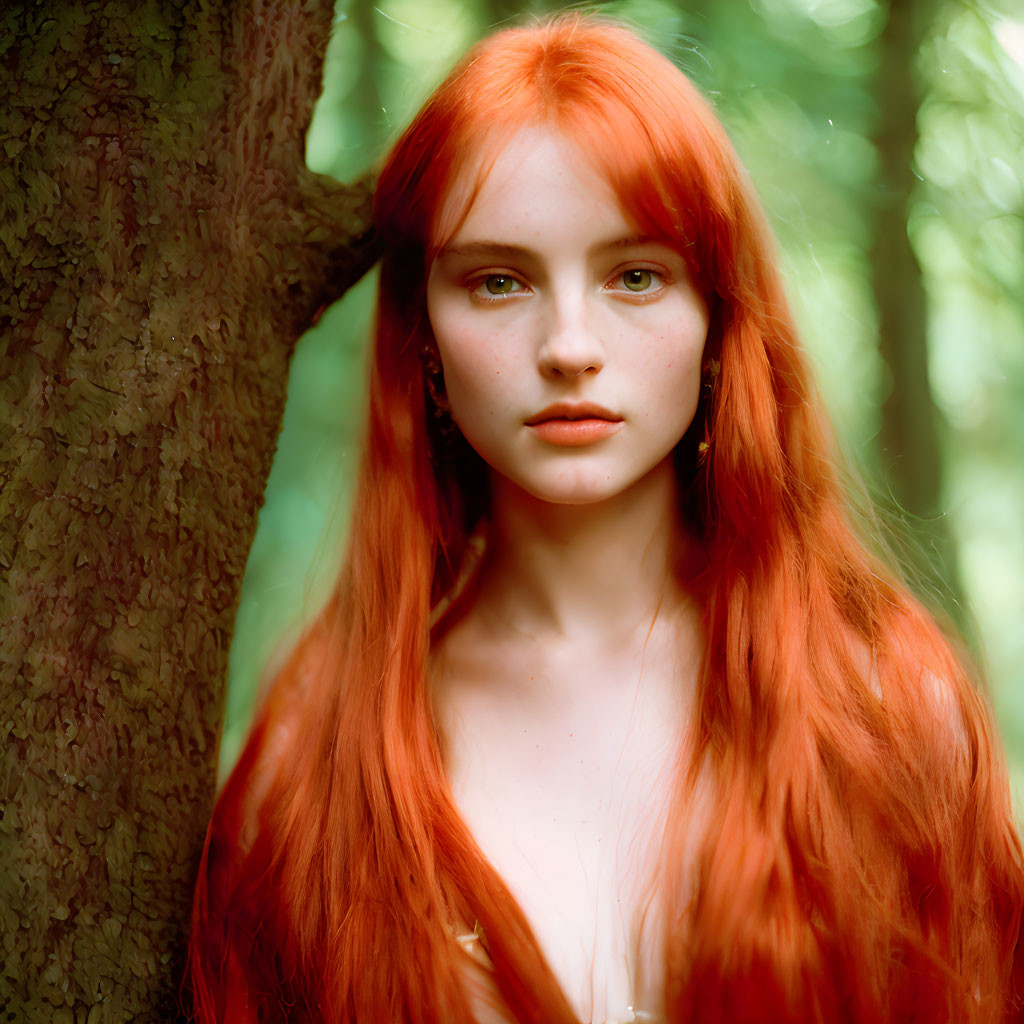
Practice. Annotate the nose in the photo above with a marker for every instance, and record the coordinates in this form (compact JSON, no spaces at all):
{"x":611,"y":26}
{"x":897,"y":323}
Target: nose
{"x":570,"y":347}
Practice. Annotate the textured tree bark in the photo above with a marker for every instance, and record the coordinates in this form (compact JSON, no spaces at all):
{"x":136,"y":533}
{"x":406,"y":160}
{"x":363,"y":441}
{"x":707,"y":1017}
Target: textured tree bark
{"x":911,"y":454}
{"x":163,"y":246}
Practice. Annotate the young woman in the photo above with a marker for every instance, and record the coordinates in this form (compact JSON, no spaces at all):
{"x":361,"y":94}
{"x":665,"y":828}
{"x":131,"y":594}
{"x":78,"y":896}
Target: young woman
{"x":611,"y":716}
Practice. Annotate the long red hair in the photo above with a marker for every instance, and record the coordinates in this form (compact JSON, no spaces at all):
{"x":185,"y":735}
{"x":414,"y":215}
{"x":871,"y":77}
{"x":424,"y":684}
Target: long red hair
{"x":859,"y":861}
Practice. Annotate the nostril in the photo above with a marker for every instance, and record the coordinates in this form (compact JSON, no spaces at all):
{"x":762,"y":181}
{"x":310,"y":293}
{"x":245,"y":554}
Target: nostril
{"x":569,"y":361}
{"x":563,"y":370}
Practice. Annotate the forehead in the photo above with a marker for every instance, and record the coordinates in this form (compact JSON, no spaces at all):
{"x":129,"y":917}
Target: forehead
{"x":535,"y":187}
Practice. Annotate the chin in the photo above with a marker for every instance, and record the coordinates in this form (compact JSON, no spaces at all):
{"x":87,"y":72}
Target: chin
{"x":590,"y":498}
{"x":576,"y":492}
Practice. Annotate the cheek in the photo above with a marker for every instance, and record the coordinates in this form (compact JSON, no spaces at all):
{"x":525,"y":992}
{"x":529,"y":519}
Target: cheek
{"x":674,"y":351}
{"x":478,"y":368}
{"x":457,"y":341}
{"x":667,"y":369}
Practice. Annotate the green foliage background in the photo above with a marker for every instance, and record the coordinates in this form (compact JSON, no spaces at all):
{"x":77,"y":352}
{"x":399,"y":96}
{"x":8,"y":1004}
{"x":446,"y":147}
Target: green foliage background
{"x":795,"y":82}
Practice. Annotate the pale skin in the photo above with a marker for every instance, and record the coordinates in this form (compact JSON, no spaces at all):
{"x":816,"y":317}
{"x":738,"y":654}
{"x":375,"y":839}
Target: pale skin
{"x":562,"y":694}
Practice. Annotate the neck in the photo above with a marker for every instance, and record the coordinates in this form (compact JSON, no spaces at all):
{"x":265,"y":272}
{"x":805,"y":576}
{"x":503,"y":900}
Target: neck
{"x":576,"y":571}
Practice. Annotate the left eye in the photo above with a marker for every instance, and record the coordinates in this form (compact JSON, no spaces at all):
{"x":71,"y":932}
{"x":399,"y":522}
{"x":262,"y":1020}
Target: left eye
{"x":637,"y":280}
{"x":497,"y":286}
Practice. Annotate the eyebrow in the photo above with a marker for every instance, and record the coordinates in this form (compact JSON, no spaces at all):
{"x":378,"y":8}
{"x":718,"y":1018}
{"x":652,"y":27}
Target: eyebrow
{"x":487,"y":248}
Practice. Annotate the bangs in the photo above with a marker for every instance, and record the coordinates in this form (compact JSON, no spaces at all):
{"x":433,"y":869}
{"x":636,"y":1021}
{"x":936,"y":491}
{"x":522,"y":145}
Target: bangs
{"x":630,"y":112}
{"x":659,"y":186}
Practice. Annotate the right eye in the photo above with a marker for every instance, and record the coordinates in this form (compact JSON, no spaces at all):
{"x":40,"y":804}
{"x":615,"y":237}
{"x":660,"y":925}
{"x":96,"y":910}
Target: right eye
{"x":496,"y":286}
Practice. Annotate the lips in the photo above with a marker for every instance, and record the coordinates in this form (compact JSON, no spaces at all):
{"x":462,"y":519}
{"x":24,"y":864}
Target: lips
{"x":574,"y":424}
{"x":573,"y":411}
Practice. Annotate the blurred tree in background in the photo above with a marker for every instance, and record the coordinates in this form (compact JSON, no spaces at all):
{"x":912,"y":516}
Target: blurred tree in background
{"x":886,"y":141}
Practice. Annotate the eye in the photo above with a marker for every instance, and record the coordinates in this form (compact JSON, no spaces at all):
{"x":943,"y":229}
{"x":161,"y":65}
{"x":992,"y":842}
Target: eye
{"x":496,"y":286}
{"x":640,"y":282}
{"x":638,"y":279}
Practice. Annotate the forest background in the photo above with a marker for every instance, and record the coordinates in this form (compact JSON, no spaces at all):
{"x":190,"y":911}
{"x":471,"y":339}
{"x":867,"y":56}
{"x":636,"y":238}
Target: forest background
{"x":887,"y":146}
{"x":169,"y":227}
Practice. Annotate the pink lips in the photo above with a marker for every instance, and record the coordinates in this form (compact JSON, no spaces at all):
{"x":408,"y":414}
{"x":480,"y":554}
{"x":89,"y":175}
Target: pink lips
{"x":573,"y":425}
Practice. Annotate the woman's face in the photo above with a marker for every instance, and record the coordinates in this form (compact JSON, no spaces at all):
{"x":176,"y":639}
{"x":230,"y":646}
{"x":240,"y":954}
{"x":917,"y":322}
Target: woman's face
{"x":571,"y":344}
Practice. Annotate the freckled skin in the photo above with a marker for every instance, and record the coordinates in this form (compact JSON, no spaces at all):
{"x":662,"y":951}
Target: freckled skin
{"x":560,"y":691}
{"x":569,"y":328}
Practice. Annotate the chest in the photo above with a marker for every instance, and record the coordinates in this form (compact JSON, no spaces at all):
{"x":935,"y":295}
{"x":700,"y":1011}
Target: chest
{"x":567,"y":795}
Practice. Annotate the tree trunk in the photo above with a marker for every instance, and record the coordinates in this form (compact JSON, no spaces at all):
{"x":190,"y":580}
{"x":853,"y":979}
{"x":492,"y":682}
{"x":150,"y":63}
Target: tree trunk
{"x":163,"y":246}
{"x":911,"y":455}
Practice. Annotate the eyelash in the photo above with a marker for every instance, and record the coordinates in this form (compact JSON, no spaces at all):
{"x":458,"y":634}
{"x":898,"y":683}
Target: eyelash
{"x":658,"y":277}
{"x":478,"y":283}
